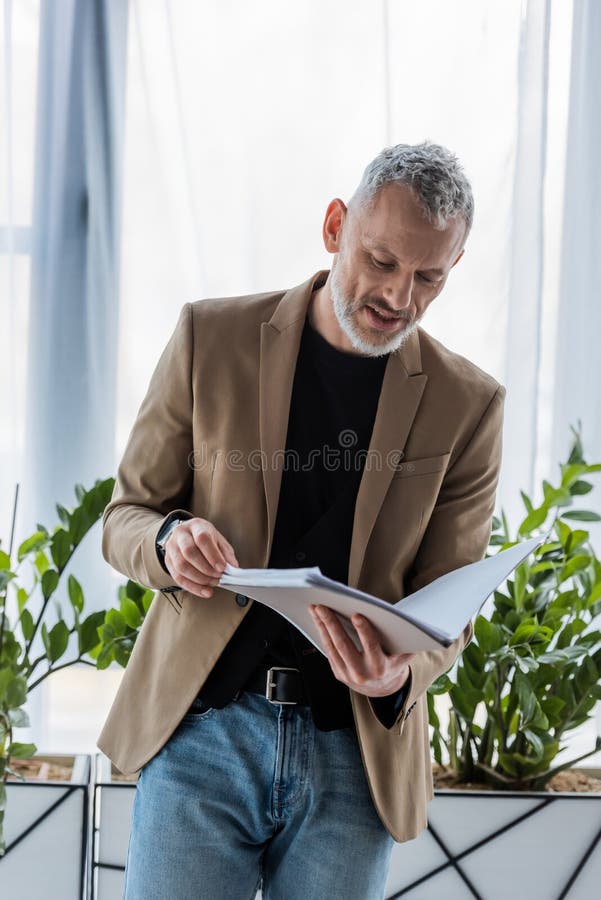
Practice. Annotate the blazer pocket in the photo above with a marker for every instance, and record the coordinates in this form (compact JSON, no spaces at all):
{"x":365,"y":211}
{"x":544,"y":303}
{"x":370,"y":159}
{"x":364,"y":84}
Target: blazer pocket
{"x":424,"y":466}
{"x":172,"y":598}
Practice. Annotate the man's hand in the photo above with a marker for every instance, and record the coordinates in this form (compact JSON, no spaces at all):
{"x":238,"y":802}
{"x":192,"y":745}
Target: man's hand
{"x":371,"y":672}
{"x":196,"y":554}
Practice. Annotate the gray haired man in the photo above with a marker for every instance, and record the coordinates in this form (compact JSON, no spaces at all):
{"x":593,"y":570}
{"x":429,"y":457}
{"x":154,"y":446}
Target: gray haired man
{"x":263,"y":761}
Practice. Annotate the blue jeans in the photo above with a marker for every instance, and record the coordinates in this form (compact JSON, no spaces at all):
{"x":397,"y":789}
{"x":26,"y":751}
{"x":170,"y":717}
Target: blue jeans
{"x":253,"y":795}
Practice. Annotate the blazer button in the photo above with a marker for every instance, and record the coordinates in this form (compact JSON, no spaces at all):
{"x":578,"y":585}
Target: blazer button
{"x":241,"y":600}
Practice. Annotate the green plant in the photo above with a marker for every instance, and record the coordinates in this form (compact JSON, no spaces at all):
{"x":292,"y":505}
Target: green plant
{"x":531,"y":673}
{"x":32,"y":580}
{"x":120,"y":627}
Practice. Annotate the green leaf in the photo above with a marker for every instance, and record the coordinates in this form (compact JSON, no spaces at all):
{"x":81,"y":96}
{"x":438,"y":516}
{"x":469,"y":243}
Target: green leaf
{"x":63,"y":515}
{"x":41,"y":562}
{"x":533,"y":520}
{"x":21,"y":751}
{"x":526,"y":664}
{"x":131,"y":613}
{"x":582,"y":515}
{"x":527,"y":502}
{"x":22,"y":598}
{"x":116,"y":621}
{"x":595,"y":594}
{"x":58,"y":640}
{"x":441,"y":686}
{"x":560,"y":497}
{"x":581,"y":487}
{"x":519,"y":584}
{"x":576,"y":539}
{"x":45,"y":638}
{"x":575,"y":564}
{"x":18,"y":718}
{"x":531,"y":633}
{"x":16,"y":692}
{"x":75,"y":593}
{"x":536,"y":744}
{"x":489,"y":636}
{"x":571,"y":473}
{"x":105,"y":657}
{"x":49,"y":582}
{"x":37,"y":540}
{"x":4,"y":560}
{"x":508,"y":764}
{"x":526,"y":697}
{"x":27,"y":624}
{"x":147,"y":599}
{"x":88,"y":632}
{"x":563,"y":532}
{"x":60,"y":548}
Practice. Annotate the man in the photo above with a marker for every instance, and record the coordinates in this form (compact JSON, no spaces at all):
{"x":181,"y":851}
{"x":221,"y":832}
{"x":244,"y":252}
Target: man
{"x":315,"y":426}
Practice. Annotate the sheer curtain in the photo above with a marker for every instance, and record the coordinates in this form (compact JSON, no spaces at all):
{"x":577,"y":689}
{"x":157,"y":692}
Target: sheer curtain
{"x":19,"y":30}
{"x":61,"y":264}
{"x":577,"y":358}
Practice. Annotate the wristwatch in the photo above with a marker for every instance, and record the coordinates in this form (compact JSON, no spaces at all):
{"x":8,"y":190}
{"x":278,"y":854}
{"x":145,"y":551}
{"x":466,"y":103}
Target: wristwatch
{"x":161,"y":538}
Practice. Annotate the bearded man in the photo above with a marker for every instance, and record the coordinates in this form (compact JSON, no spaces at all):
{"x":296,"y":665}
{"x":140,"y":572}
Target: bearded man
{"x":320,"y":425}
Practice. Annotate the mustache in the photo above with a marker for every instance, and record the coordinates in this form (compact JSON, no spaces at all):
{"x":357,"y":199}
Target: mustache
{"x":379,"y":304}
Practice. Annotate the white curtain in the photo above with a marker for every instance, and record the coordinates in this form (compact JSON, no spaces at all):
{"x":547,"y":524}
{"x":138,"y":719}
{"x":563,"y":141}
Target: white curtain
{"x":577,"y":356}
{"x":64,"y":68}
{"x":245,"y":119}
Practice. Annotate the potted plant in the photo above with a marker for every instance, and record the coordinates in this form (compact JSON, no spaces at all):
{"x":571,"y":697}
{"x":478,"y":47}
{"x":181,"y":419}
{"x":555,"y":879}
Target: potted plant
{"x":529,"y":677}
{"x":44,"y":796}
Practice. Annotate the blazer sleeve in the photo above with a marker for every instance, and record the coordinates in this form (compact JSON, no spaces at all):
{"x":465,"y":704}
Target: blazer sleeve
{"x":154,"y":478}
{"x":387,"y":708}
{"x":457,"y":534}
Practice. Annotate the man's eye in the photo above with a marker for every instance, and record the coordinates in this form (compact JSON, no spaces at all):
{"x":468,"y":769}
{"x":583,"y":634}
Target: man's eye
{"x":381,"y":264}
{"x":424,"y":279}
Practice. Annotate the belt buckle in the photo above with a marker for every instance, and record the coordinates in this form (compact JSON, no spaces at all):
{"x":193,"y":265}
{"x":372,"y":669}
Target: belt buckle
{"x":271,"y":684}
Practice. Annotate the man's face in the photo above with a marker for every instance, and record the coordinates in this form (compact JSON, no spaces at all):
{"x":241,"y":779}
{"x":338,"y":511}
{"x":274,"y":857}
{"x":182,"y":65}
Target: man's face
{"x":389,"y":265}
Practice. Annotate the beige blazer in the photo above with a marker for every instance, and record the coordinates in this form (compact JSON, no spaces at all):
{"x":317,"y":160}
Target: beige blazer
{"x":209,"y":439}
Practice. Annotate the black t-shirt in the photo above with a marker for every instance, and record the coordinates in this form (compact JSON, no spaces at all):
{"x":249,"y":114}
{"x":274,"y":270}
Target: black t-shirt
{"x":333,"y":406}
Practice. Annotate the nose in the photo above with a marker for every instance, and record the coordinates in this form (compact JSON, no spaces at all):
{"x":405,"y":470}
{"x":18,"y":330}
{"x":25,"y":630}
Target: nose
{"x":398,"y":293}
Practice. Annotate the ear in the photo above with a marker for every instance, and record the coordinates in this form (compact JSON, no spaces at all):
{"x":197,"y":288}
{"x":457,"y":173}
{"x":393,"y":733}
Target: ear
{"x":459,"y":257}
{"x":332,"y":225}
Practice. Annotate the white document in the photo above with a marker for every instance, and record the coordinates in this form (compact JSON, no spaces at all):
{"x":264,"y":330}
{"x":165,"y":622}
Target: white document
{"x":429,"y":619}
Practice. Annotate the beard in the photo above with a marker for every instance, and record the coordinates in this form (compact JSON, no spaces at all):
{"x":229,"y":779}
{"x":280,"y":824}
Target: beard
{"x":363,"y":341}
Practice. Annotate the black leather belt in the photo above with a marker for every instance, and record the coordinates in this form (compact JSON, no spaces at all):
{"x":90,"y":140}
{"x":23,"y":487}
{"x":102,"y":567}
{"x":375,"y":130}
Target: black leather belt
{"x":279,"y":684}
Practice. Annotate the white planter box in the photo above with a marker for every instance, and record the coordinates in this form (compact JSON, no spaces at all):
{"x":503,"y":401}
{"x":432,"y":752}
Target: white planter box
{"x":111,"y":815}
{"x":498,"y":845}
{"x":46,"y":835}
{"x":484,"y":844}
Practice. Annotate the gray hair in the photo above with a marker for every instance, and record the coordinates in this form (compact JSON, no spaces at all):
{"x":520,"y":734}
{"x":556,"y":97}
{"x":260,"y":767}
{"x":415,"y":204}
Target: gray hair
{"x":433,"y":173}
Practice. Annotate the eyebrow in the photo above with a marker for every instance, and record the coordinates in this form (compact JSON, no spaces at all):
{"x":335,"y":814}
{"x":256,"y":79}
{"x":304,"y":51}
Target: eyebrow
{"x":375,"y":245}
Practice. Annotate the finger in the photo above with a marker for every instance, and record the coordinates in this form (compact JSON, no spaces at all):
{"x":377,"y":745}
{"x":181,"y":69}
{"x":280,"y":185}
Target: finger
{"x":370,"y":640}
{"x":227,"y":551}
{"x":343,"y":643}
{"x":207,"y":545}
{"x":194,"y":587}
{"x":337,"y":660}
{"x":187,"y":560}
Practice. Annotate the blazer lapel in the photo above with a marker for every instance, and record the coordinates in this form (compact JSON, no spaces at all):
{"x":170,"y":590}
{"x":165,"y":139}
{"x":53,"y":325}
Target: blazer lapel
{"x":280,"y":342}
{"x":402,"y":388}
